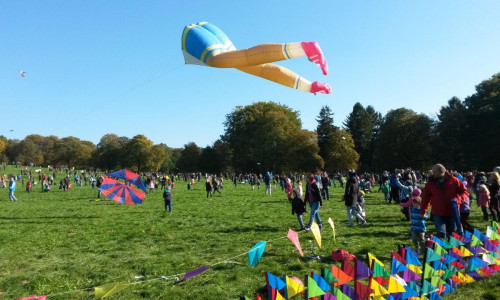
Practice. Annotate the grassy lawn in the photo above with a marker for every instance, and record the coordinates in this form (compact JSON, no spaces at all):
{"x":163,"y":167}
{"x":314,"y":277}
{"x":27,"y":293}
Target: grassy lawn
{"x":57,"y":242}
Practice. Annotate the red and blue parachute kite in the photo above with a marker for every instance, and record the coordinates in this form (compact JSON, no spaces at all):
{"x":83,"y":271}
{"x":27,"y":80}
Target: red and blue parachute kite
{"x":121,"y":192}
{"x":129,"y":176}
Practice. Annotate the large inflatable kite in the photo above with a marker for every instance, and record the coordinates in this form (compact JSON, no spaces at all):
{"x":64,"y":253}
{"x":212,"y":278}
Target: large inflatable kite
{"x":205,"y":44}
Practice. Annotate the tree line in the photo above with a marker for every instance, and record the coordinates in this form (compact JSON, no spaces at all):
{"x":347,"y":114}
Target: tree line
{"x":267,"y":136}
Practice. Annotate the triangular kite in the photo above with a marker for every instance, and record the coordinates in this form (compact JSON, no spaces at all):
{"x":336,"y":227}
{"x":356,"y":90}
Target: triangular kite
{"x":316,"y":233}
{"x":294,"y":237}
{"x":427,"y":287}
{"x":109,"y":289}
{"x":362,"y":290}
{"x":439,"y":250}
{"x":432,"y":256}
{"x":256,"y":252}
{"x":293,"y":287}
{"x":329,"y":277}
{"x":415,"y":269}
{"x":348,"y":291}
{"x":429,"y":272}
{"x":398,"y":257}
{"x":455,"y":243}
{"x":313,"y":289}
{"x":333,"y":227}
{"x":411,"y":258}
{"x":480,"y":235}
{"x":465,"y":251}
{"x":322,"y":283}
{"x":378,"y":290}
{"x":275,"y":282}
{"x":409,"y":293}
{"x":437,"y":265}
{"x":475,"y":241}
{"x":409,"y":275}
{"x":328,"y":296}
{"x":377,"y":266}
{"x":33,"y":297}
{"x":362,"y":270}
{"x":348,"y":268}
{"x":278,"y":296}
{"x":395,"y":286}
{"x":340,"y":275}
{"x":339,"y":295}
{"x":195,"y":272}
{"x":397,"y":266}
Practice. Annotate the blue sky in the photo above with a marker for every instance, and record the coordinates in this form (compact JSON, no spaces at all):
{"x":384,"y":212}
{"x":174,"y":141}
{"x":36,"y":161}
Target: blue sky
{"x":97,"y":67}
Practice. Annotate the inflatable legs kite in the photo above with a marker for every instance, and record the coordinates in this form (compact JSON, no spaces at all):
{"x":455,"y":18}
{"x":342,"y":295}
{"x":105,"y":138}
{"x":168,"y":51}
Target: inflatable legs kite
{"x":205,"y":44}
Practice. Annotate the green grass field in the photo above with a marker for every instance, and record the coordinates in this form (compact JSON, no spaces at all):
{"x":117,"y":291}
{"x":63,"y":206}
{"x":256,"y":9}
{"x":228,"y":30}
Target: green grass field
{"x":62,"y":243}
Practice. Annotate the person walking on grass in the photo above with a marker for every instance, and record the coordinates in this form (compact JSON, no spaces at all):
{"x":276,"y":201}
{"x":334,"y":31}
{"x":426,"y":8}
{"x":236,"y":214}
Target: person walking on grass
{"x":313,"y":197}
{"x":12,"y":189}
{"x":209,"y":187}
{"x":441,"y":188}
{"x":484,"y":200}
{"x":298,"y":207}
{"x":351,"y":199}
{"x":417,"y":225}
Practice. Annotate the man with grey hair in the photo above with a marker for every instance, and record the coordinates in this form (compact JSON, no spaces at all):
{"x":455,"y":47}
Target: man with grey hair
{"x":441,"y":188}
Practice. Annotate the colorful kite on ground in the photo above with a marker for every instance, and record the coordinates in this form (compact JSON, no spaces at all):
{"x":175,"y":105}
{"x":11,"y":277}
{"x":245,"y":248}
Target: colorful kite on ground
{"x":205,"y":44}
{"x":120,"y":192}
{"x":256,"y":252}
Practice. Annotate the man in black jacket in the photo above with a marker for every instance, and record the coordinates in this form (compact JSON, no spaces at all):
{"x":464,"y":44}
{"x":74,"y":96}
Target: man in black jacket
{"x":351,"y":198}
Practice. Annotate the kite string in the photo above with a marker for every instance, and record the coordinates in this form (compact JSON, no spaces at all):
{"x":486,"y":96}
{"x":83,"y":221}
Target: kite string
{"x":112,"y":100}
{"x":175,"y":276}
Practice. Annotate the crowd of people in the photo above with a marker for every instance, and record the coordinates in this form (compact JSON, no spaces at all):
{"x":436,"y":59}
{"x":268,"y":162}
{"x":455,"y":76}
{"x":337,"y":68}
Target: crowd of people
{"x":449,"y":193}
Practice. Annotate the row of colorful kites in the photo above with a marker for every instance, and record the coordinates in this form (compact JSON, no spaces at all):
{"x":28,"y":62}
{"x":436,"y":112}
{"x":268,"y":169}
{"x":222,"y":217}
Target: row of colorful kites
{"x":447,"y":264}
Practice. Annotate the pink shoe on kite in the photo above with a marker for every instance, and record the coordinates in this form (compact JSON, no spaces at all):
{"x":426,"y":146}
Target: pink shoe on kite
{"x":320,"y":87}
{"x":314,"y":53}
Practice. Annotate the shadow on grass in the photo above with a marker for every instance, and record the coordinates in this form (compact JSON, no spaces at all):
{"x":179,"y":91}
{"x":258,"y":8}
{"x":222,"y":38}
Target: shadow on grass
{"x":251,"y":229}
{"x":49,"y":217}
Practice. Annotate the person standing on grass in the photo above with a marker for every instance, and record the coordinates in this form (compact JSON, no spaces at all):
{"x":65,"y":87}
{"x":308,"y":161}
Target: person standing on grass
{"x":12,"y":189}
{"x":313,"y":196}
{"x":441,"y":188}
{"x":494,"y":187}
{"x":167,"y":195}
{"x":325,"y":182}
{"x":99,"y":181}
{"x":267,"y":182}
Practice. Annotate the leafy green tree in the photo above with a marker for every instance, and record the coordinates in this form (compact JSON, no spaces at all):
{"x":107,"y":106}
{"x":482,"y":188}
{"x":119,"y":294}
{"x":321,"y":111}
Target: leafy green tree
{"x":303,"y":153}
{"x":360,"y":124}
{"x":261,"y":136}
{"x":483,"y":119}
{"x":452,"y":140}
{"x":137,"y":151}
{"x":405,"y":140}
{"x":324,"y":129}
{"x":29,"y":150}
{"x":157,"y":157}
{"x":3,"y":146}
{"x":341,"y":155}
{"x":48,"y":148}
{"x":110,"y":152}
{"x":190,"y":158}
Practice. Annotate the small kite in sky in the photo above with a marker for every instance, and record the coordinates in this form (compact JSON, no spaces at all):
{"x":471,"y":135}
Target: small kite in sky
{"x":21,"y":72}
